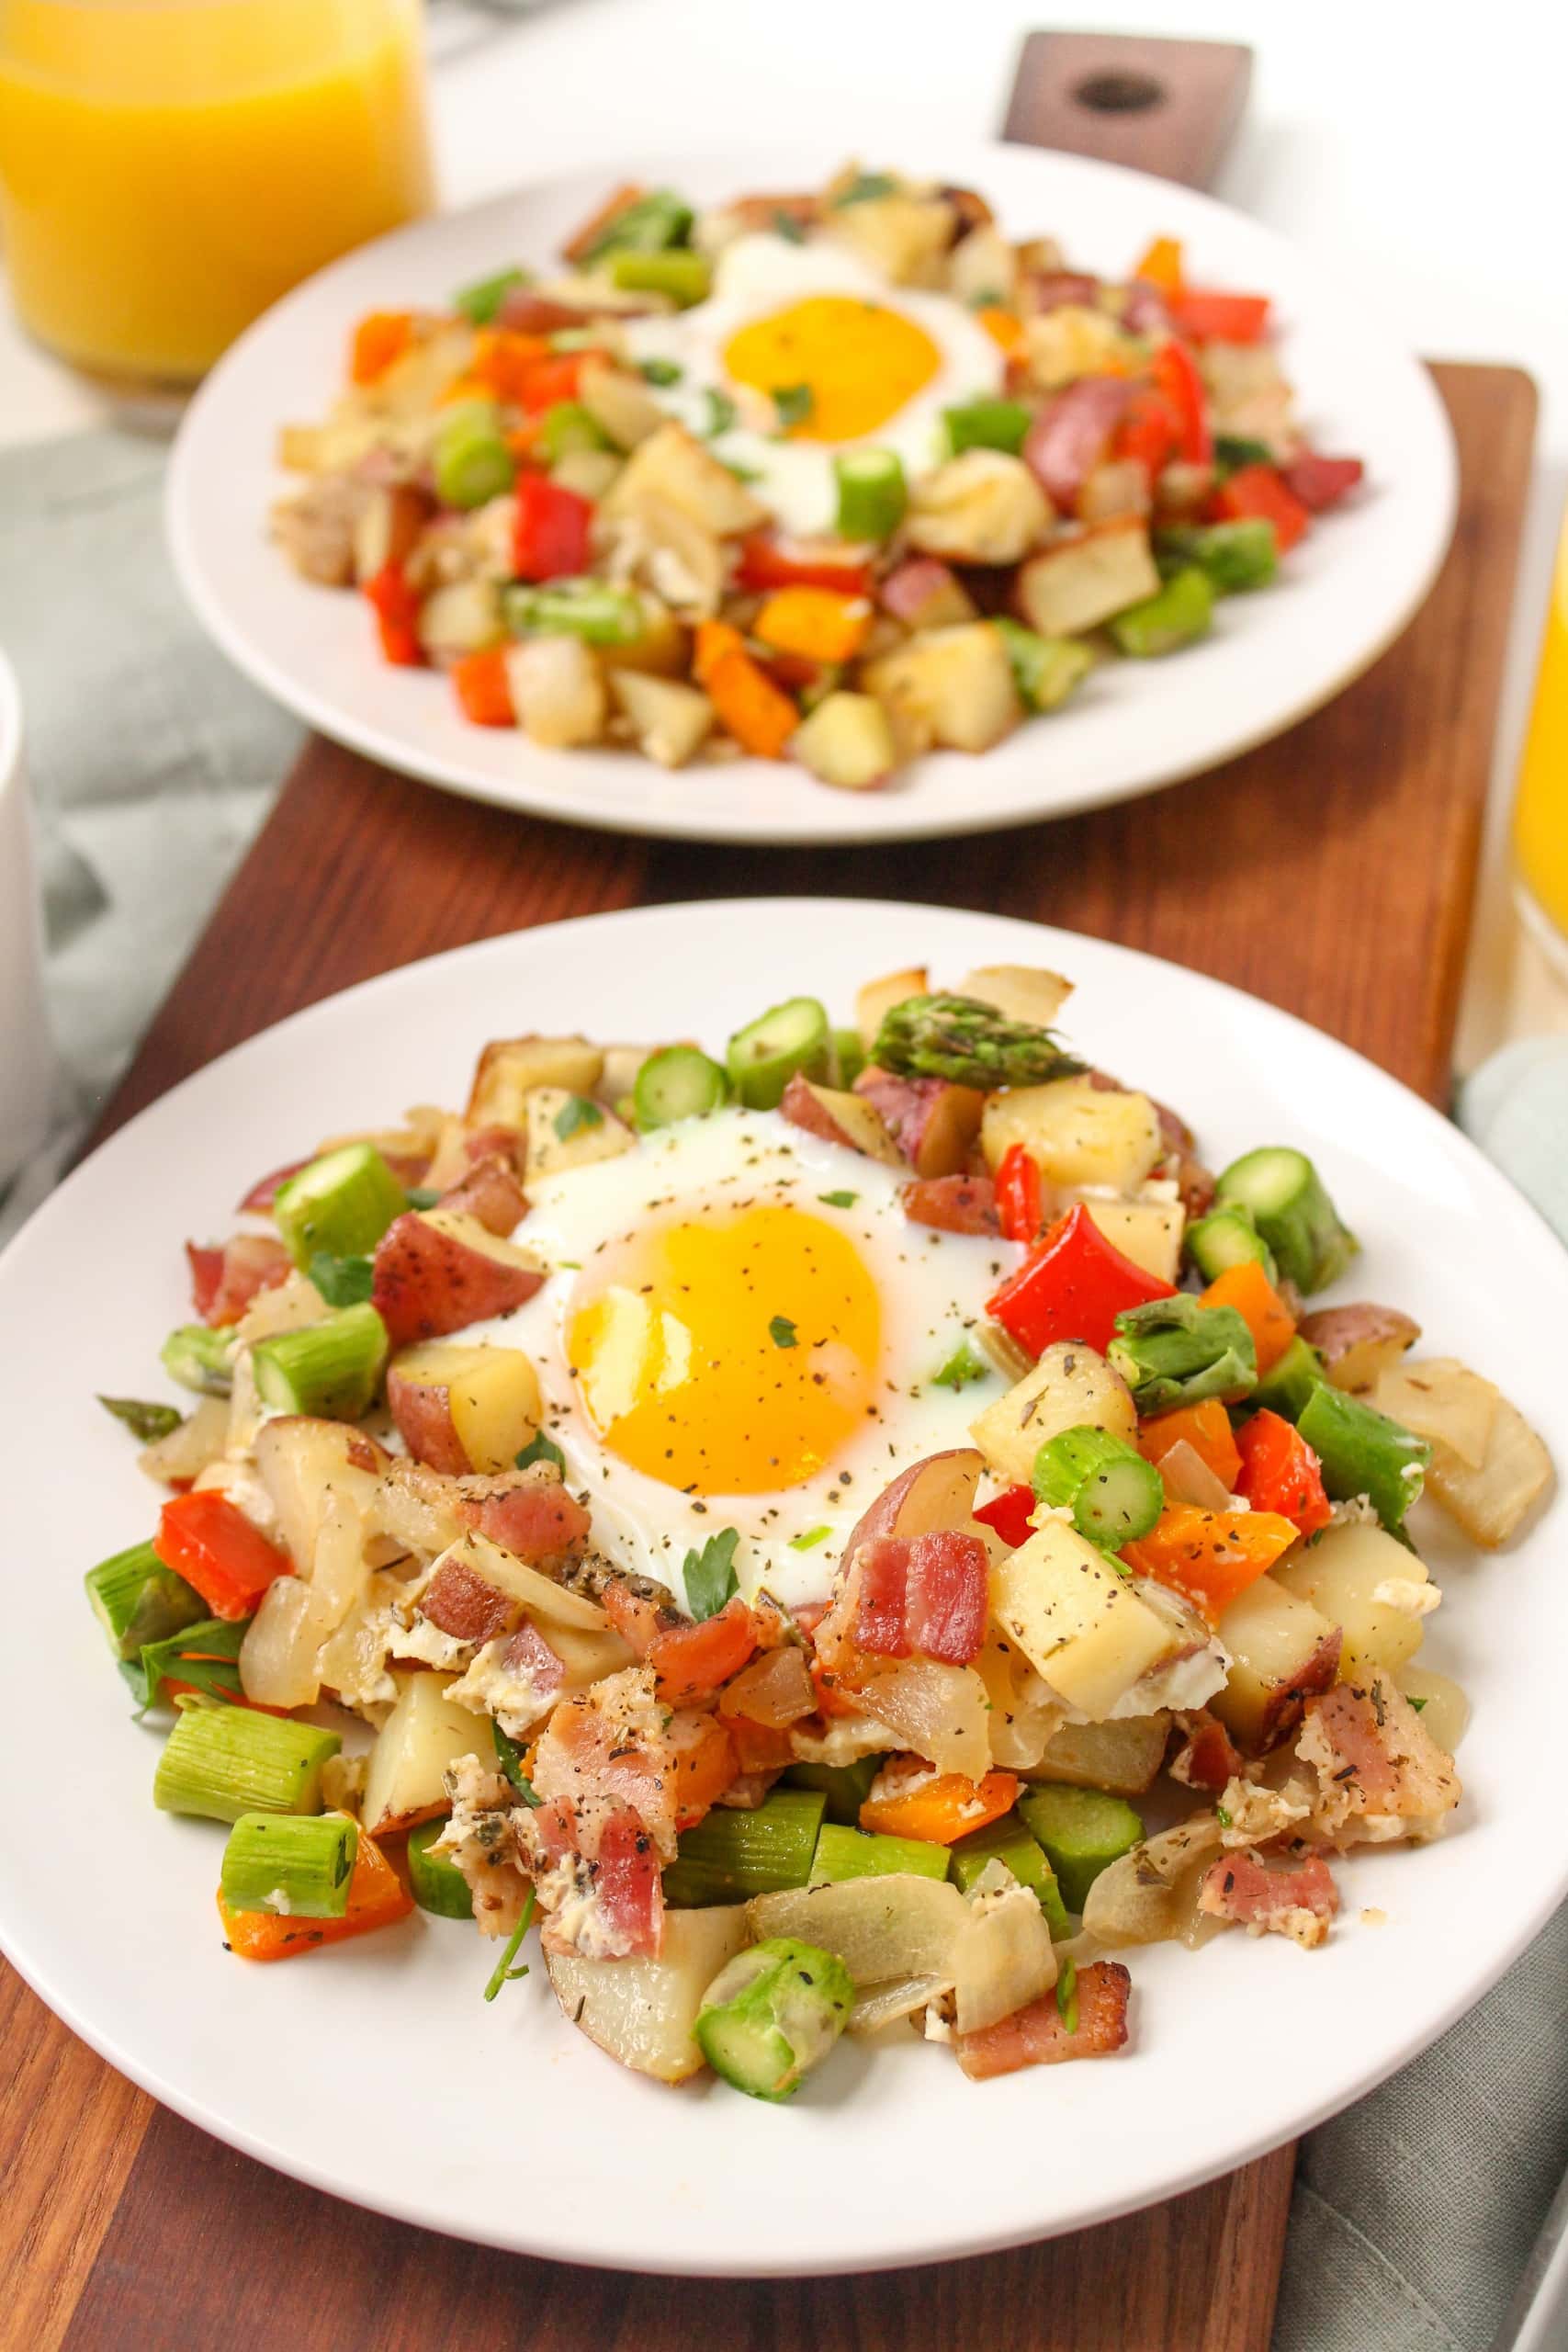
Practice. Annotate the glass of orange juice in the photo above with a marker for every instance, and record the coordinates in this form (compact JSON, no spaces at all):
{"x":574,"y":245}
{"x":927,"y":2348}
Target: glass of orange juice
{"x":169,"y":167}
{"x":1540,"y":812}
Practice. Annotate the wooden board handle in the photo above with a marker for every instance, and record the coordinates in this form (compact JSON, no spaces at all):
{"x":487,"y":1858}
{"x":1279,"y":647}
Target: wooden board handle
{"x":1166,"y":106}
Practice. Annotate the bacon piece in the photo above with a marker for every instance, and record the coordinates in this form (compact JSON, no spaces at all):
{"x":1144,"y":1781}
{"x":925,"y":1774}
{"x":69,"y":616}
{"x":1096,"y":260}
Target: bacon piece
{"x":1071,"y":435}
{"x":466,"y":1606}
{"x":1296,"y":1899}
{"x":1319,"y":481}
{"x":953,"y":1204}
{"x":628,"y":1884}
{"x":1381,"y":1774}
{"x":528,"y":1652}
{"x":264,"y":1191}
{"x":224,"y":1281}
{"x":489,"y":1192}
{"x":1036,"y":2036}
{"x":635,"y":1618}
{"x":1054,"y":289}
{"x":1287,"y":1700}
{"x":618,"y":1743}
{"x":601,"y":1856}
{"x":775,"y":1689}
{"x":1208,"y":1756}
{"x":527,"y":1512}
{"x":922,"y":1597}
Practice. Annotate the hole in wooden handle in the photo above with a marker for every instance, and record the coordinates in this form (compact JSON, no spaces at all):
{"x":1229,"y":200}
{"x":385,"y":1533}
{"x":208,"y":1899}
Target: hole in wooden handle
{"x":1119,"y":93}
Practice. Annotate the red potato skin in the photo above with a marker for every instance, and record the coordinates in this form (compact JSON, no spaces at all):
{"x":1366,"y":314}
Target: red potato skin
{"x":802,"y":1109}
{"x":491,"y":1192}
{"x":1241,"y":1887}
{"x":1036,"y":2036}
{"x":953,"y":1204}
{"x":421,"y":1413}
{"x":426,"y":1284}
{"x":933,"y":1122}
{"x":1288,"y":1704}
{"x":527,"y":1512}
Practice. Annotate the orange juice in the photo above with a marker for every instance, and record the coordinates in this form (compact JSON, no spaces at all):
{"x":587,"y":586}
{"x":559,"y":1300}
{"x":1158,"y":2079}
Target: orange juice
{"x":1540,"y":813}
{"x":169,"y":167}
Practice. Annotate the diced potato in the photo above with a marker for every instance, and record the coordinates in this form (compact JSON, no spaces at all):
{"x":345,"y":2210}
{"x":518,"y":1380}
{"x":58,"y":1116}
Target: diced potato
{"x":587,"y":1657}
{"x":591,"y":473}
{"x":642,"y":2011}
{"x":671,"y":720}
{"x":982,"y":506}
{"x":389,"y":521}
{"x":1273,"y":1637}
{"x":464,"y":1409}
{"x":983,"y":268}
{"x":958,"y":682}
{"x":838,"y":1116}
{"x":1343,"y":1574}
{"x":1073,"y":341}
{"x":1148,"y":1232}
{"x":904,"y":238}
{"x":878,"y":997}
{"x":659,"y":543}
{"x":1076,"y":1133}
{"x":1002,"y":1956}
{"x":1114,"y":491}
{"x":556,"y":691}
{"x":1442,"y":1704}
{"x":880,"y":1927}
{"x":1076,"y":1620}
{"x":303,"y":1462}
{"x":424,"y":1732}
{"x":1123,"y":1756}
{"x":669,"y":464}
{"x":1068,"y":589}
{"x":1019,"y":992}
{"x":464,"y":618}
{"x":560,"y":1135}
{"x":1491,"y":1504}
{"x":620,"y":404}
{"x":1070,"y":1387}
{"x":847,"y":742}
{"x":509,"y":1067}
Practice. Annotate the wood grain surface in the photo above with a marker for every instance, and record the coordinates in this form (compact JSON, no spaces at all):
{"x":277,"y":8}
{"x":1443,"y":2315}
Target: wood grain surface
{"x":1330,"y":871}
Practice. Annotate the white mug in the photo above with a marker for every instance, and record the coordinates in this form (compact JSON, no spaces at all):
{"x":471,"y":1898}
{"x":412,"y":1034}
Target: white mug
{"x":28,"y":1066}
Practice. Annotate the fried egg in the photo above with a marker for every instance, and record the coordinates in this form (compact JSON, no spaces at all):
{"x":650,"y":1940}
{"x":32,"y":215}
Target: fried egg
{"x":740,"y":1328}
{"x":867,"y":363}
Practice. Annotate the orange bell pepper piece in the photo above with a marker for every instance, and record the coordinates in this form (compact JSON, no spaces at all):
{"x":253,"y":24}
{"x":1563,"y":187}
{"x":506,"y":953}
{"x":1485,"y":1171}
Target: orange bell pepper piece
{"x":816,"y":623}
{"x":701,"y":1772}
{"x":377,"y":1897}
{"x":1207,"y":1430}
{"x":1210,"y":1556}
{"x":1248,"y":1289}
{"x":759,"y":715}
{"x":378,"y":340}
{"x":504,"y":361}
{"x":1004,"y":329}
{"x":1160,"y":264}
{"x":943,"y":1810}
{"x":480,"y":684}
{"x":713,"y":640}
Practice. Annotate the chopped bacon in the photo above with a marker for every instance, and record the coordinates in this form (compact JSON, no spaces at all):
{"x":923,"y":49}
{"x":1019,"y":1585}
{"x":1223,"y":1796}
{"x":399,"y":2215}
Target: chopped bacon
{"x":618,"y":1743}
{"x":774,"y":1689}
{"x":1381,"y":1772}
{"x":1037,"y":2035}
{"x":1053,"y":290}
{"x":1287,"y":1700}
{"x":953,"y":1204}
{"x":1296,"y":1898}
{"x":691,"y":1661}
{"x":466,"y":1606}
{"x":1320,"y":481}
{"x":922,"y":1597}
{"x":1208,"y":1756}
{"x":602,"y":1856}
{"x":635,"y":1618}
{"x":628,"y":1884}
{"x":489,"y":1192}
{"x":265,"y":1189}
{"x":527,"y":1512}
{"x":528,"y":1652}
{"x":224,"y":1281}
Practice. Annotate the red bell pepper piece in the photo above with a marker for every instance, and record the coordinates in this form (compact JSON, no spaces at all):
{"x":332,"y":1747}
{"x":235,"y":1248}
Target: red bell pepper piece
{"x":395,"y":608}
{"x":550,"y":535}
{"x":1018,"y":1195}
{"x":1176,"y":376}
{"x":1010,"y":1513}
{"x":1281,"y":1473}
{"x":1321,"y":482}
{"x":769,"y":562}
{"x":1257,"y":493}
{"x":1208,"y":317}
{"x":1148,"y":432}
{"x":209,"y":1541}
{"x":1072,"y":1285}
{"x":545,"y":381}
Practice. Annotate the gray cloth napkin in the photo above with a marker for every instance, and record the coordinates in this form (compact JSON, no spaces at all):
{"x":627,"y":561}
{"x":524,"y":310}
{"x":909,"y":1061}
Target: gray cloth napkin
{"x":153,"y":763}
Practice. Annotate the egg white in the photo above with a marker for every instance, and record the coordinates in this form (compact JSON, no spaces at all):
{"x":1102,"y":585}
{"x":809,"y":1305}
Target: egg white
{"x":758,"y":275}
{"x":931,"y":1287}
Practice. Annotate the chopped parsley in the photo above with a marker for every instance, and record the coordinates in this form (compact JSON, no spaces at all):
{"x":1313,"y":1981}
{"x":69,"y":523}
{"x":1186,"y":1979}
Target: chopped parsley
{"x":839,"y":1200}
{"x":865,"y":187}
{"x":1067,"y":1995}
{"x":962,"y":1366}
{"x":709,"y":1574}
{"x":743,"y":474}
{"x":793,"y":404}
{"x":509,"y":1756}
{"x":343,"y":1282}
{"x":148,"y":1422}
{"x":989,"y":298}
{"x":722,"y":412}
{"x":1418,"y":1705}
{"x":1222,"y":1816}
{"x":809,"y":1541}
{"x":575,"y":1112}
{"x":782,"y":1332}
{"x":541,"y":1448}
{"x":660,"y":371}
{"x":786,"y":226}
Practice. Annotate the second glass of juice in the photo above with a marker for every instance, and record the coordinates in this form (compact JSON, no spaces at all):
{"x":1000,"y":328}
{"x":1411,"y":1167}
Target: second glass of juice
{"x":169,"y":167}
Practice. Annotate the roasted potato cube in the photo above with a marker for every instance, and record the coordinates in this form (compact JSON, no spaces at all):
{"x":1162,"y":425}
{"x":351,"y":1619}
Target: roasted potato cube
{"x":437,"y":1271}
{"x":904,"y":238}
{"x":389,"y":522}
{"x":1019,"y":992}
{"x":563,"y":1132}
{"x":1070,"y":1387}
{"x":1076,"y":1620}
{"x":509,"y":1067}
{"x":424,"y":1732}
{"x":957,"y":682}
{"x":1067,"y":589}
{"x":983,"y":268}
{"x":463,"y":617}
{"x":1282,"y":1650}
{"x":878,"y":997}
{"x":556,"y":691}
{"x":1073,"y":341}
{"x":980,"y":507}
{"x":620,"y":403}
{"x":933,"y":1122}
{"x":1148,"y":1232}
{"x":838,"y":1117}
{"x":1358,"y":1343}
{"x":669,"y":464}
{"x":1359,"y":1577}
{"x":464,"y":1409}
{"x":847,"y":742}
{"x":1076,"y":1133}
{"x":671,"y":720}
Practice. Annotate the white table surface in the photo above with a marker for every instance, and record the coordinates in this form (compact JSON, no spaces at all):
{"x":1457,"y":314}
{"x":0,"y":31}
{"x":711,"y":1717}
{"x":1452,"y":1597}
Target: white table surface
{"x":1411,"y":147}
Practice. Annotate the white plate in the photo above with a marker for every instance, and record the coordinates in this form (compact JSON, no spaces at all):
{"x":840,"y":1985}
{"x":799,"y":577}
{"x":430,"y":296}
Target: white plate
{"x":377,"y":2071}
{"x":1271,"y":659}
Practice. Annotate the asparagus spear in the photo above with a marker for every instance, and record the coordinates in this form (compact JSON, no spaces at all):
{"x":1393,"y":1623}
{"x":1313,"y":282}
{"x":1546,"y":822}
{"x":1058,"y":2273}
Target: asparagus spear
{"x":772,"y":2014}
{"x":959,"y":1038}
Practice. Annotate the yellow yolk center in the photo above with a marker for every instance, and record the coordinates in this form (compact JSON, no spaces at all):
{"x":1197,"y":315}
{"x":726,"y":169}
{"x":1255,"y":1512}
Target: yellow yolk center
{"x":731,"y":1356}
{"x":858,"y":361}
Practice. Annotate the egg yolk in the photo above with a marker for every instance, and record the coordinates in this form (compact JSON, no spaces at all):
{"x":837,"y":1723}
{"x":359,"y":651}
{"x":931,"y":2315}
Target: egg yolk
{"x":858,"y":362}
{"x":731,"y":1355}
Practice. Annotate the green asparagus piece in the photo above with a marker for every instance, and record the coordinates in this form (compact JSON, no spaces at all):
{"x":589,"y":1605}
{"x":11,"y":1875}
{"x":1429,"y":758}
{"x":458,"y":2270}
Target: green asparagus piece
{"x":732,"y":1855}
{"x":848,"y":1057}
{"x":298,"y":1869}
{"x":1173,"y":1351}
{"x":1294,"y":1213}
{"x":594,"y":610}
{"x":1113,"y":1494}
{"x":959,"y":1038}
{"x":342,"y":1203}
{"x":222,"y":1761}
{"x":988,"y":425}
{"x":1177,"y":615}
{"x":144,"y":1420}
{"x":470,"y":458}
{"x":873,"y":494}
{"x":1044,"y":669}
{"x":1082,"y":1832}
{"x":332,"y":1368}
{"x":1227,"y":1237}
{"x":200,"y":1358}
{"x":480,"y":303}
{"x":647,"y":225}
{"x":1008,"y":1841}
{"x":568,"y":427}
{"x":843,"y":1787}
{"x":1232,"y":556}
{"x":686,"y":278}
{"x":764,"y":1056}
{"x":1364,"y":1452}
{"x":137,"y":1600}
{"x":1287,"y":1384}
{"x":860,"y":1853}
{"x":680,"y":1082}
{"x":1234,"y":450}
{"x":435,"y":1880}
{"x":772,"y":2014}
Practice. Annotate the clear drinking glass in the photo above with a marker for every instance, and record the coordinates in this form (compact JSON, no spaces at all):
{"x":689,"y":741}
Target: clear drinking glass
{"x":169,"y":167}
